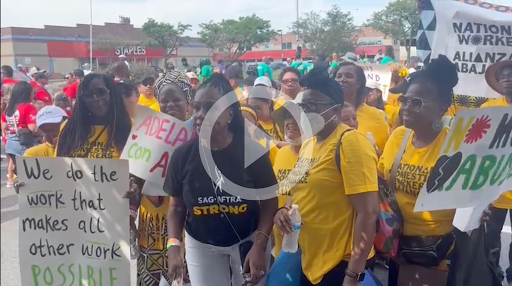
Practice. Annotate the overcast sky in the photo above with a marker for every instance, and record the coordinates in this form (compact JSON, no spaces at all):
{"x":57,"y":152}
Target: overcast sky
{"x":37,"y":13}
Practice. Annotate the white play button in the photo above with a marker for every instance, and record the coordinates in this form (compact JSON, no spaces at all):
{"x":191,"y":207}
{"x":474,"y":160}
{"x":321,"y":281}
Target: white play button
{"x":252,"y":154}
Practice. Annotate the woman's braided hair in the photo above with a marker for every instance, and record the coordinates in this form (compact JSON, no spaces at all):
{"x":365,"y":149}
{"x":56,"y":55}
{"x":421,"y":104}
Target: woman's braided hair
{"x":79,"y":127}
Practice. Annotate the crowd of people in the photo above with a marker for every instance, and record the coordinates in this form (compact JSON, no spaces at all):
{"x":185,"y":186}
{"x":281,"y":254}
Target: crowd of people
{"x":360,"y":144}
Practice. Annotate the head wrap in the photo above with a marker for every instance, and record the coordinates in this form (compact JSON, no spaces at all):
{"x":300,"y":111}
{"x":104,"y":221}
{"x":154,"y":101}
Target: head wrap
{"x":176,"y":77}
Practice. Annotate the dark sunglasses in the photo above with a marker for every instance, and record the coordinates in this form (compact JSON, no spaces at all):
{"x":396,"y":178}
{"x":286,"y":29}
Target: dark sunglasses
{"x":415,"y":103}
{"x":98,"y":93}
{"x":311,"y":106}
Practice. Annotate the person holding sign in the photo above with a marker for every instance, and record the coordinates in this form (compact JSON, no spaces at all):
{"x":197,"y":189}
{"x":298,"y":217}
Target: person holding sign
{"x":225,"y":234}
{"x":410,"y":154}
{"x":352,"y":79}
{"x":499,"y":78}
{"x":173,"y":92}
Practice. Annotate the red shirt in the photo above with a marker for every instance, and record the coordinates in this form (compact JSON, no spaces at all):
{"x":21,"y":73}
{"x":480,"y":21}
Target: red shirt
{"x":24,"y":115}
{"x":71,"y":90}
{"x":34,"y":84}
{"x":7,"y":81}
{"x":23,"y":71}
{"x":43,"y":95}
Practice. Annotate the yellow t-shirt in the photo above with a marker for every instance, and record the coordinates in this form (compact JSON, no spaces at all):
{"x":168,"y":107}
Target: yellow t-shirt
{"x":143,"y":100}
{"x":96,"y":151}
{"x":152,"y":224}
{"x":505,"y":200}
{"x":155,"y":106}
{"x":372,"y":120}
{"x":413,"y":171}
{"x":284,"y":162}
{"x":271,"y":147}
{"x":393,"y":99}
{"x":321,"y":193}
{"x":41,"y":150}
{"x":272,"y":130}
{"x":392,"y":115}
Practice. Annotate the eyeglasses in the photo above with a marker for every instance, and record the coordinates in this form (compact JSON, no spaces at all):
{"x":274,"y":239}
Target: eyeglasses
{"x":312,"y":106}
{"x":416,"y":104}
{"x":290,"y":81}
{"x":98,"y":93}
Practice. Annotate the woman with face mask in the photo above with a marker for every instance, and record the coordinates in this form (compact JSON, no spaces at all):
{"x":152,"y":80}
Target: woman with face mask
{"x":338,"y":205}
{"x":371,"y":120}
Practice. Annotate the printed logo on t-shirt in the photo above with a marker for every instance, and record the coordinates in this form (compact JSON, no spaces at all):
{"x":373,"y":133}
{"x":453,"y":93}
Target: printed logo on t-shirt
{"x":97,"y":151}
{"x":281,"y":175}
{"x":218,"y":181}
{"x":299,"y":175}
{"x":411,"y":178}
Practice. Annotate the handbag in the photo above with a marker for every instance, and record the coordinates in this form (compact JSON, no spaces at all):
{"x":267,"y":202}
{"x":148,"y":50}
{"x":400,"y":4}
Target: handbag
{"x":25,"y":136}
{"x":389,"y":225}
{"x":426,"y":251}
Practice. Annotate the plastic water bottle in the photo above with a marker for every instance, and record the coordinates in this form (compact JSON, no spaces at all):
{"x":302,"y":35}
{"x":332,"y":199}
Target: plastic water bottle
{"x":291,"y":241}
{"x":372,"y":140}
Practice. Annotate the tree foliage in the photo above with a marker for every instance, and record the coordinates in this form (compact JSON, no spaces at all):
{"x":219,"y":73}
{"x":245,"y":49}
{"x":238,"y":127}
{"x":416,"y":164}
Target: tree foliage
{"x":124,"y":20}
{"x":107,"y":43}
{"x":165,"y":37}
{"x":235,"y":37}
{"x":399,"y":20}
{"x":327,"y":32}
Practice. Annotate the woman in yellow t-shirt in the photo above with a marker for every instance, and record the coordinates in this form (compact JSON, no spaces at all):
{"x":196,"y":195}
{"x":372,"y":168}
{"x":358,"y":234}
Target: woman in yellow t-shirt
{"x":371,"y":120}
{"x":261,"y":100}
{"x":257,"y":133}
{"x":338,"y":206}
{"x":286,"y":157}
{"x":424,"y":104}
{"x":374,"y":99}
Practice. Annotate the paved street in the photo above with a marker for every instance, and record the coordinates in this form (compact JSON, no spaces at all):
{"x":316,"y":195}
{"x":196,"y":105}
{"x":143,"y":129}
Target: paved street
{"x":9,"y":220}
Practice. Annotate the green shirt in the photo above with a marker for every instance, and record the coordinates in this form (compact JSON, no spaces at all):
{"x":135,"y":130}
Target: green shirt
{"x":387,"y":60}
{"x":334,"y":65}
{"x":206,"y":73}
{"x":301,"y":66}
{"x":263,"y":69}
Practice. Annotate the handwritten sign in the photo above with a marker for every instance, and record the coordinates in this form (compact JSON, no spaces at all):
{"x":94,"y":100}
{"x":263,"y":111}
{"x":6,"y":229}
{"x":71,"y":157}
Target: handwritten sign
{"x":153,"y":138}
{"x":475,"y":165}
{"x":73,"y":225}
{"x":380,"y":74}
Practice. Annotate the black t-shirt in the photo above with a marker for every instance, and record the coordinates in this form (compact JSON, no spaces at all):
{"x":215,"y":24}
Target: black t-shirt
{"x":207,"y":204}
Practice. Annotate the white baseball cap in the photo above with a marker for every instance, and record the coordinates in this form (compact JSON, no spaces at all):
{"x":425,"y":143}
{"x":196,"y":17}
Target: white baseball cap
{"x":122,"y":56}
{"x":50,"y":114}
{"x":372,"y":84}
{"x":263,"y":80}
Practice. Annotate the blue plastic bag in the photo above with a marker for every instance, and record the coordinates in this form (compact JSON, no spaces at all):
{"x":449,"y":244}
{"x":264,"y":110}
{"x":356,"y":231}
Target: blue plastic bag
{"x":286,"y":270}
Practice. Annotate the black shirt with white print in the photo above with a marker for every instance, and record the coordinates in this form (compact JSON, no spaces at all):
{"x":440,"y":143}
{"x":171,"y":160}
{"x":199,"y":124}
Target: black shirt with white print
{"x":206,"y":202}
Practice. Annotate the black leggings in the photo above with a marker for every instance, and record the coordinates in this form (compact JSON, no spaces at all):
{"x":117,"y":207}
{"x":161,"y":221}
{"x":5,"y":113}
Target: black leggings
{"x":336,"y":276}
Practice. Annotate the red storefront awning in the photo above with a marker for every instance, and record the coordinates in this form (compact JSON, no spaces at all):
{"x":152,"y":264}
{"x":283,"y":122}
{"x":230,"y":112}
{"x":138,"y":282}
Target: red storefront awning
{"x":369,"y":50}
{"x":274,"y":54}
{"x":62,"y":49}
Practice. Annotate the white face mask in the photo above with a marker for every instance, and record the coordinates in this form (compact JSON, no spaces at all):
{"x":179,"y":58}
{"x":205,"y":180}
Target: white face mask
{"x":315,"y":120}
{"x":293,"y":142}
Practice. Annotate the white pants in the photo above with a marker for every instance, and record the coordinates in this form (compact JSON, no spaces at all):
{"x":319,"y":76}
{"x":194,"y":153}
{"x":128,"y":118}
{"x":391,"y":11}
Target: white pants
{"x":210,"y":265}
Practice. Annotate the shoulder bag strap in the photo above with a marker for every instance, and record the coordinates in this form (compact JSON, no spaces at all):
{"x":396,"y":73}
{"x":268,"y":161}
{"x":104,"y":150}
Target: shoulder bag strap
{"x":337,"y":153}
{"x":86,"y":154}
{"x":398,"y":158}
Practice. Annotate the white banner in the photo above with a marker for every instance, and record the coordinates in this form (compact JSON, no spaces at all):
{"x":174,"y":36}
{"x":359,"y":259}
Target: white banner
{"x":154,"y":137}
{"x":473,"y":38}
{"x":475,"y":165}
{"x":73,"y":223}
{"x":380,"y":74}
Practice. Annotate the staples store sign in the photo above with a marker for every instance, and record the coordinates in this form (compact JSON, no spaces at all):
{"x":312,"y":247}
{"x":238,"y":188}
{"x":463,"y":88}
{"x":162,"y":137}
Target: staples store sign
{"x":131,"y":50}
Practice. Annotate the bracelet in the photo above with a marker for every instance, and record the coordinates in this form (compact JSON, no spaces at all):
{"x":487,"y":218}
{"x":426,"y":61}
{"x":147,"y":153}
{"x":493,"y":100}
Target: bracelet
{"x":264,"y":234}
{"x":172,"y":242}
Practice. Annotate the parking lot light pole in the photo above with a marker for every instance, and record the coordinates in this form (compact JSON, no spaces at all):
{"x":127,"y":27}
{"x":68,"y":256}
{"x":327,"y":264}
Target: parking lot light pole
{"x":282,"y":53}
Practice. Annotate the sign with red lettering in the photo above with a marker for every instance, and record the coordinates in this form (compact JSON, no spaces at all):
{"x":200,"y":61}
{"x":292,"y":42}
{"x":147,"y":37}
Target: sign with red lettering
{"x":153,"y":138}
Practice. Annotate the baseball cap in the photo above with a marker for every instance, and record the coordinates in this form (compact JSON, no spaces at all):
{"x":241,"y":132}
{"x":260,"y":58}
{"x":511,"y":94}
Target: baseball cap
{"x":122,"y":56}
{"x":236,"y":73}
{"x":263,"y":80}
{"x":350,"y":57}
{"x":35,"y":70}
{"x":50,"y":114}
{"x":40,"y":75}
{"x":20,"y":65}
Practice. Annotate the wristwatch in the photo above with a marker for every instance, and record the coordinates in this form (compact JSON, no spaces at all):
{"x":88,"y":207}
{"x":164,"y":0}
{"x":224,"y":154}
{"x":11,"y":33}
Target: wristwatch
{"x":356,"y":276}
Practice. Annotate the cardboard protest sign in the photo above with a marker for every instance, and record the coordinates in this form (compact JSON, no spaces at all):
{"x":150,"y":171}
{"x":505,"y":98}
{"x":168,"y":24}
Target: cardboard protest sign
{"x":380,"y":74}
{"x":472,"y":35}
{"x":153,"y":138}
{"x":475,"y":165}
{"x":73,"y":222}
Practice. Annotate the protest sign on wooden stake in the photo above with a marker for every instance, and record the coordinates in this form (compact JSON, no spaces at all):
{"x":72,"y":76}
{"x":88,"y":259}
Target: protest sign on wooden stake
{"x":73,"y":226}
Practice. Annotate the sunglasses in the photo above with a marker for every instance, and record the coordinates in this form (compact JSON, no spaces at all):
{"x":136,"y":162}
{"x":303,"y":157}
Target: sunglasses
{"x":415,"y":103}
{"x":99,"y":93}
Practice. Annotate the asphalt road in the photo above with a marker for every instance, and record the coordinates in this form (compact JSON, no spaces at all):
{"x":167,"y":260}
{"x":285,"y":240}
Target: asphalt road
{"x":10,"y":275}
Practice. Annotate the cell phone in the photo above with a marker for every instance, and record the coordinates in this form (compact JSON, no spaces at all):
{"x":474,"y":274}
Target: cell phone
{"x":244,"y":249}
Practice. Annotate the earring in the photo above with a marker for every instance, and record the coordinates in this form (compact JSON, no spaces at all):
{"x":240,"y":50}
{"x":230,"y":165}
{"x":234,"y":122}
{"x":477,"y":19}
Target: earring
{"x":438,"y":126}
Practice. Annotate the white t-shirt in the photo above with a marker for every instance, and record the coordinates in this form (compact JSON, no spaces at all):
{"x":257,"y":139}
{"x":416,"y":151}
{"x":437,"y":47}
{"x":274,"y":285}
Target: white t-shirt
{"x":86,"y":72}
